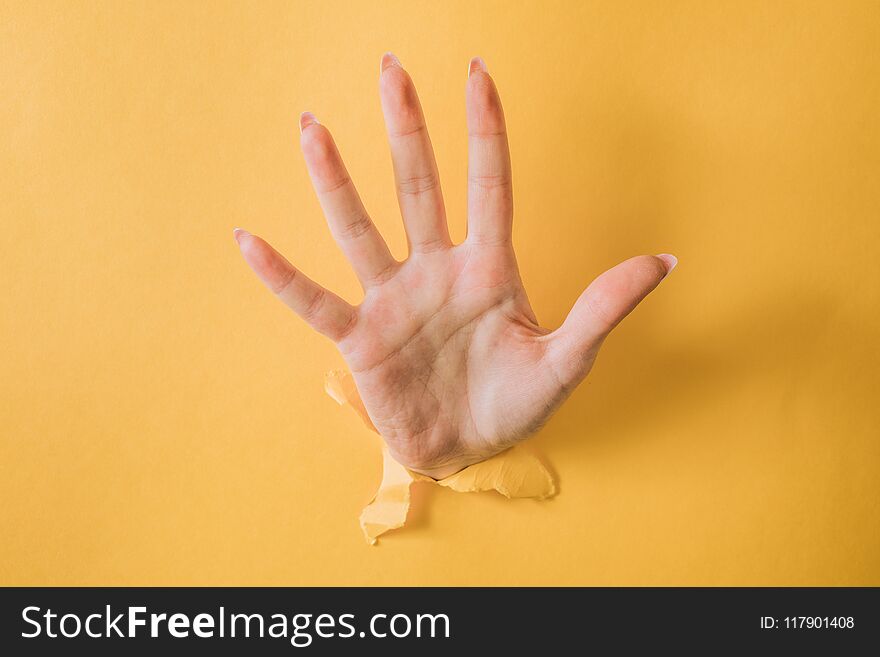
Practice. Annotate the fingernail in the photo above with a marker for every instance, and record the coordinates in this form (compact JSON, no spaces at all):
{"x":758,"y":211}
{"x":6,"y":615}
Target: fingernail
{"x":389,"y":59}
{"x":477,"y":64}
{"x":238,"y":233}
{"x":305,"y":120}
{"x":669,"y":260}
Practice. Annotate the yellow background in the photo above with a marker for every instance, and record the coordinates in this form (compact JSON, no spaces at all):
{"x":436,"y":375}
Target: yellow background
{"x":162,"y":416}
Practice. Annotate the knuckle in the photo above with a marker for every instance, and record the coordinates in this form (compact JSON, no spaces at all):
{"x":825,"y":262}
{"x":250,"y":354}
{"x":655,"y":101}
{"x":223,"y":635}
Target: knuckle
{"x":418,"y":184}
{"x":490,"y":239}
{"x":313,"y":307}
{"x":384,"y":275}
{"x":285,"y":281}
{"x":348,"y":329}
{"x":357,"y":226}
{"x":333,"y":185}
{"x":413,"y":128}
{"x":490,"y":181}
{"x":431,"y":245}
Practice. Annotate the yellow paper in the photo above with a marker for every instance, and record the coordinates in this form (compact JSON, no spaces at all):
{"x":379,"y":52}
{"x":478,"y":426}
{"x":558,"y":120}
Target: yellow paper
{"x":515,"y":472}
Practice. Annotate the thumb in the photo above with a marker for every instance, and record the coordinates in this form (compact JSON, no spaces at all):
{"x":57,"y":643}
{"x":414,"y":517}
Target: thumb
{"x":608,"y":299}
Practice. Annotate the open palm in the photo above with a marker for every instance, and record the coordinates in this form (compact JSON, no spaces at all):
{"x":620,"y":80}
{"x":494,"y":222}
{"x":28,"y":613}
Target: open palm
{"x":445,"y":350}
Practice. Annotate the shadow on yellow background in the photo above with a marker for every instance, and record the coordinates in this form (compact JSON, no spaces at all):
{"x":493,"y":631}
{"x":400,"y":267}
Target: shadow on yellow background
{"x":163,"y":419}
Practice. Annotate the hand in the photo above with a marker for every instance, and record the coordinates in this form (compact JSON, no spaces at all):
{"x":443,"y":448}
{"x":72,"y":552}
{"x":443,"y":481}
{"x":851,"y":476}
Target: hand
{"x":445,"y":350}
